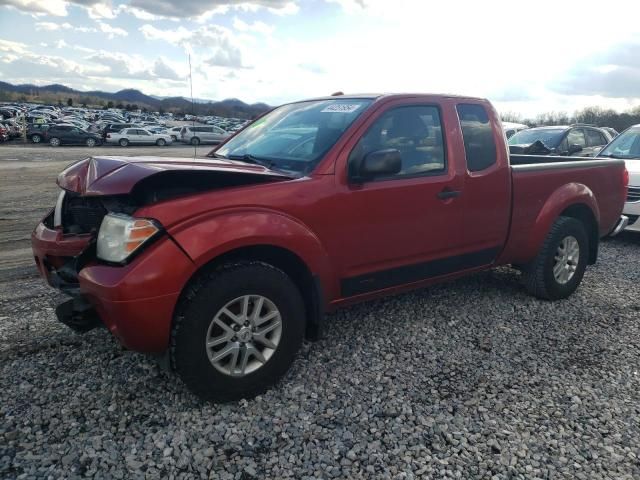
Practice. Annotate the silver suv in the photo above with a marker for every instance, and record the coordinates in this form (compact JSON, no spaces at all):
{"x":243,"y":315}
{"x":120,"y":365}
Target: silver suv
{"x":197,"y":135}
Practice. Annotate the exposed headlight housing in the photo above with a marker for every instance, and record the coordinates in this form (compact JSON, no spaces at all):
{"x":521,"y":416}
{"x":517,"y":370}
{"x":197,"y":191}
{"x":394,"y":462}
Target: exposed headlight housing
{"x":120,"y":236}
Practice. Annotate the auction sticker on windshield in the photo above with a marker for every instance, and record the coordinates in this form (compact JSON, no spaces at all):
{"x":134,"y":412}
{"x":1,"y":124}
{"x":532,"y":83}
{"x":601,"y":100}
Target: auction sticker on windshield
{"x":341,"y":108}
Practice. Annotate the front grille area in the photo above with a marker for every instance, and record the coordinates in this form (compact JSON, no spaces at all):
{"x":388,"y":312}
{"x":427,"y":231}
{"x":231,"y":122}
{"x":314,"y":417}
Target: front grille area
{"x":633,"y":194}
{"x":82,"y":214}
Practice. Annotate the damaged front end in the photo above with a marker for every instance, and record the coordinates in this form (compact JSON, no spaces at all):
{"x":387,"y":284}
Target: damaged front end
{"x":64,"y":243}
{"x":67,"y":239}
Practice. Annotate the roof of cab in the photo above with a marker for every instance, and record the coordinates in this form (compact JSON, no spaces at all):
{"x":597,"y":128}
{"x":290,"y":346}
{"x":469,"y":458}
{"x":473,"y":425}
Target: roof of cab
{"x":380,"y":96}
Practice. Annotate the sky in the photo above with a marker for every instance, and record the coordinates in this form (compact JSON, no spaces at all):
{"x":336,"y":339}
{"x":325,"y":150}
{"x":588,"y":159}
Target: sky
{"x":527,"y":57}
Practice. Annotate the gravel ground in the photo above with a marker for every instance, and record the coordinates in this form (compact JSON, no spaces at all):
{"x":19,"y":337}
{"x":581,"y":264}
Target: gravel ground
{"x":472,"y":379}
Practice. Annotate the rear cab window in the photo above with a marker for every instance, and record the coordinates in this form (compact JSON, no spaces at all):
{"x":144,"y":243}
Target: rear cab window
{"x":477,"y":133}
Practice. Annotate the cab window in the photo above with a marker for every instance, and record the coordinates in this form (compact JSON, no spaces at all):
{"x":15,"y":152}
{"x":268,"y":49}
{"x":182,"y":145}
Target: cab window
{"x":415,"y":131}
{"x":477,"y":133}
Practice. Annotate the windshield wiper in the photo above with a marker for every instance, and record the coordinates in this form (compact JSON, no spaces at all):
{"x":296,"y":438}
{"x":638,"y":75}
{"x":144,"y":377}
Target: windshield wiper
{"x":248,"y":158}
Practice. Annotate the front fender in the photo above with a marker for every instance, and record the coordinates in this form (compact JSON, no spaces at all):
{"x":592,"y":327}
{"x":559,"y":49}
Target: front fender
{"x":205,"y":239}
{"x":564,"y":197}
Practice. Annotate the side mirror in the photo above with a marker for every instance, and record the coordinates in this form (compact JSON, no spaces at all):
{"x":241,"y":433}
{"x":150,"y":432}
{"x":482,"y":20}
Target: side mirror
{"x":574,"y":148}
{"x":378,"y":163}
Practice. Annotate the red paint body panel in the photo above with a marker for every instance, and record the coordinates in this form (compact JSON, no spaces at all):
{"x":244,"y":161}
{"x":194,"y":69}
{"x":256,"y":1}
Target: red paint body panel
{"x":340,"y":230}
{"x":137,"y":301}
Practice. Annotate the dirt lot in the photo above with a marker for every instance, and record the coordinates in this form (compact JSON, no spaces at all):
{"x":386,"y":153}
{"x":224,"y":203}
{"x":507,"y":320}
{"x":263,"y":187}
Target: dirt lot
{"x":471,"y":379}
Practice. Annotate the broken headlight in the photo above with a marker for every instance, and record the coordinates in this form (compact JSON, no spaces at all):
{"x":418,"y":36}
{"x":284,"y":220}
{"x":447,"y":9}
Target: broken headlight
{"x":121,"y":236}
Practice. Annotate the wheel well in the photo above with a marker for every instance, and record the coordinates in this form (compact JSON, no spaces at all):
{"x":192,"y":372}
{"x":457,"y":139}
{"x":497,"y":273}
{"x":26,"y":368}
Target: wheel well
{"x":583,"y":213}
{"x":289,"y":263}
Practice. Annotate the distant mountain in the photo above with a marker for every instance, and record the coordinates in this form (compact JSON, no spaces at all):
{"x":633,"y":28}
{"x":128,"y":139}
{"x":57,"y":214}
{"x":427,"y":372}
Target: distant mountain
{"x":231,"y":107}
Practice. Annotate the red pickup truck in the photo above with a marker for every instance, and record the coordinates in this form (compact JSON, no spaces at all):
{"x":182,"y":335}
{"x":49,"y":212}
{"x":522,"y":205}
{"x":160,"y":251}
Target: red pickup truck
{"x":226,"y":263}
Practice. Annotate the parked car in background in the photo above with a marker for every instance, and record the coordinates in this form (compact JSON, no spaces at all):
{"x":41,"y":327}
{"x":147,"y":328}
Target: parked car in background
{"x":174,"y":132}
{"x":612,"y":131}
{"x":58,"y":135}
{"x":195,"y":135}
{"x":572,"y":140}
{"x":510,"y":128}
{"x":138,"y":136}
{"x":626,"y":146}
{"x":35,"y":131}
{"x":227,"y":263}
{"x":115,"y":128}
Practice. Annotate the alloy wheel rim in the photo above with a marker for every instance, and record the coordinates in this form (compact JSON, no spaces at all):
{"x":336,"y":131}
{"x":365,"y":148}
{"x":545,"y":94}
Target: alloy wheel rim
{"x":566,"y":260}
{"x":243,"y":335}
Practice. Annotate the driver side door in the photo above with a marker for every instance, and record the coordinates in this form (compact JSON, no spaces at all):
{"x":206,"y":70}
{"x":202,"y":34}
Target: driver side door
{"x":405,"y":227}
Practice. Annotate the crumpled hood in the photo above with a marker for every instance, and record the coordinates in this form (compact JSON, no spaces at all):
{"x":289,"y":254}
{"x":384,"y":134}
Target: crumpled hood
{"x":112,"y":175}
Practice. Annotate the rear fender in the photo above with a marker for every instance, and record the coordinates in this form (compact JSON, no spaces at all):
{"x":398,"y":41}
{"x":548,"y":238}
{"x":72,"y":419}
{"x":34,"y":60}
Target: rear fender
{"x":567,"y":196}
{"x":206,"y":239}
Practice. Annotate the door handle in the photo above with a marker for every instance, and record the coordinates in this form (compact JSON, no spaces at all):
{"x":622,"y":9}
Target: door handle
{"x":446,"y":194}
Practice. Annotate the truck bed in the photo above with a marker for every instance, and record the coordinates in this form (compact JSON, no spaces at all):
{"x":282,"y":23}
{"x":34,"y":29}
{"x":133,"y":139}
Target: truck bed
{"x":540,"y":187}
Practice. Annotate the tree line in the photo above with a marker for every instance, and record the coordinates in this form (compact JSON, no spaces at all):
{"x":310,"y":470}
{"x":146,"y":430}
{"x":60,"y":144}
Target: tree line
{"x":598,"y":116}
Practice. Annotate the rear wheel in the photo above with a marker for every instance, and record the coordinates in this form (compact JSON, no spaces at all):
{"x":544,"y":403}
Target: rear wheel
{"x":91,"y":142}
{"x":195,"y":141}
{"x":54,"y":142}
{"x":36,"y":138}
{"x":161,"y":142}
{"x":123,"y":142}
{"x":560,"y":265}
{"x":237,"y":331}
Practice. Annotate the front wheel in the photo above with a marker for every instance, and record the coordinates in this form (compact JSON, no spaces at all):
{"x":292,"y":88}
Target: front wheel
{"x":36,"y":138}
{"x":91,"y":142}
{"x":161,"y":142}
{"x":237,"y":331}
{"x":558,"y":269}
{"x":54,"y":142}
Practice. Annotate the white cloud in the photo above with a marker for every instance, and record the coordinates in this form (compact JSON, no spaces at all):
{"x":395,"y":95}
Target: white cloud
{"x":56,"y":8}
{"x":197,"y":8}
{"x":214,"y":44}
{"x":51,"y":26}
{"x":257,"y":26}
{"x":162,"y":70}
{"x":111,"y":31}
{"x":7,"y":46}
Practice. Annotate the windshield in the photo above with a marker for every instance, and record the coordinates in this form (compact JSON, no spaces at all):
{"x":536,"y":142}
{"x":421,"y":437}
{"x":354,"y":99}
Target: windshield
{"x":295,"y":137}
{"x":626,"y":145}
{"x":550,"y":137}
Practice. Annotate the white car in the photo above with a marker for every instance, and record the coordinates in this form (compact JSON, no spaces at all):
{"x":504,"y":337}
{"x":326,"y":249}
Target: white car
{"x":627,"y":146}
{"x":510,"y":128}
{"x":138,"y":136}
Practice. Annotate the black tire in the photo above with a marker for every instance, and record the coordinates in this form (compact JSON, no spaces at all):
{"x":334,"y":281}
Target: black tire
{"x":197,"y":309}
{"x":195,"y":141}
{"x":174,"y":138}
{"x":91,"y":142}
{"x":539,"y":278}
{"x":123,"y":142}
{"x":36,"y":138}
{"x":161,"y":142}
{"x":55,"y":142}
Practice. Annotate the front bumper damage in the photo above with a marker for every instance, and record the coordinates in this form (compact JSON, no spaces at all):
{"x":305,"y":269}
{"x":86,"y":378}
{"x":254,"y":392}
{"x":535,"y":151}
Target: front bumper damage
{"x":135,"y":302}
